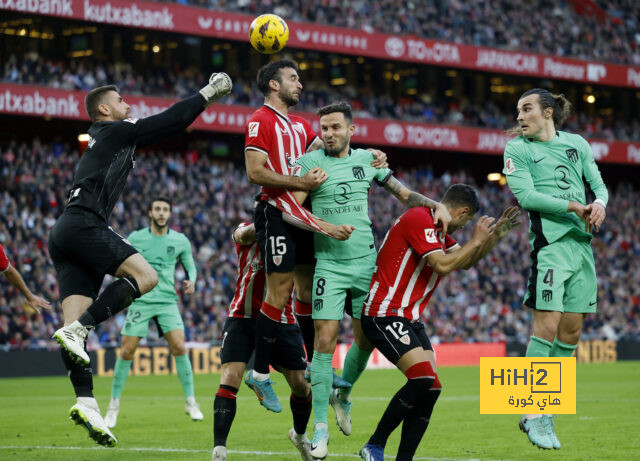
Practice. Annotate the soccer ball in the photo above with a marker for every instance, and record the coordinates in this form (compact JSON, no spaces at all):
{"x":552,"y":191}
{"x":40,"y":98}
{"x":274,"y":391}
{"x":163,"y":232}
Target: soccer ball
{"x":268,"y":33}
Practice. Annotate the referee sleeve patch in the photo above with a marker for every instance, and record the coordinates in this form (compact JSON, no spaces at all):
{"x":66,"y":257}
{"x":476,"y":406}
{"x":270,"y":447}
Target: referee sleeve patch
{"x":509,"y":166}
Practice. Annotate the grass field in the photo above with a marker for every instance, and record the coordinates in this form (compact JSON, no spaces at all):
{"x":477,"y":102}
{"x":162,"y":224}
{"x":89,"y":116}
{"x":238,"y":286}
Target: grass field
{"x":152,"y":423}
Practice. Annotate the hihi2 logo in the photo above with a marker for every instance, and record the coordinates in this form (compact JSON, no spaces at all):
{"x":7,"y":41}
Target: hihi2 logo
{"x":508,"y":385}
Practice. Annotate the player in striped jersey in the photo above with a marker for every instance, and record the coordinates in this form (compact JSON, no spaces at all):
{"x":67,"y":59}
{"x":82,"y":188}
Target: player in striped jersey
{"x":14,"y":277}
{"x":412,"y":259}
{"x":274,"y":140}
{"x":238,"y":343}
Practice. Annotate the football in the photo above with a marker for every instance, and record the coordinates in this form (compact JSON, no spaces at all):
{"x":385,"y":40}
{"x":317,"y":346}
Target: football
{"x":268,"y":33}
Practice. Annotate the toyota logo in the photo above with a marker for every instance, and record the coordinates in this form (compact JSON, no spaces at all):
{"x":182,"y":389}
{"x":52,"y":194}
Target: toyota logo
{"x":394,"y":47}
{"x":393,"y":133}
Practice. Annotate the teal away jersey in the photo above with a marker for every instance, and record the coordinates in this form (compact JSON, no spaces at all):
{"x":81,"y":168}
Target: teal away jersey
{"x":163,"y":253}
{"x":545,"y":176}
{"x":343,"y":199}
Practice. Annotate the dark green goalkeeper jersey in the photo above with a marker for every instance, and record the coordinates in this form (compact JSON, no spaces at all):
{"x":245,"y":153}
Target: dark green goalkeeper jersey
{"x":545,"y":176}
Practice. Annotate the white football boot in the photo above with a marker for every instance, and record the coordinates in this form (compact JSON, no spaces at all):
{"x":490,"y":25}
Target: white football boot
{"x":193,"y":409}
{"x":87,"y":413}
{"x":111,"y":418}
{"x":72,"y":338}
{"x":302,"y":444}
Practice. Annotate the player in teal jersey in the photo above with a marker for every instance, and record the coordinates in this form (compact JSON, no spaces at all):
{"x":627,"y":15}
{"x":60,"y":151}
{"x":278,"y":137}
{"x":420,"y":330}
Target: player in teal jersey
{"x":545,"y":168}
{"x":344,"y":268}
{"x":162,"y":248}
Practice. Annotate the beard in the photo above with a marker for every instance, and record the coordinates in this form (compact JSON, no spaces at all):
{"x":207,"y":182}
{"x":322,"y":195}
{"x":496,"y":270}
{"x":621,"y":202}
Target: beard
{"x":288,"y":97}
{"x":158,"y":225}
{"x":336,"y":149}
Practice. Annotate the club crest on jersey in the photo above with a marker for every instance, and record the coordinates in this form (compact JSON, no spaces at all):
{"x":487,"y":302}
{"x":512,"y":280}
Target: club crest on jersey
{"x":253,"y":129}
{"x":317,"y":304}
{"x":430,"y":235}
{"x":404,"y":340}
{"x":509,"y":167}
{"x":358,"y":172}
{"x":572,"y":154}
{"x":291,"y":162}
{"x":277,"y":259}
{"x":171,"y":250}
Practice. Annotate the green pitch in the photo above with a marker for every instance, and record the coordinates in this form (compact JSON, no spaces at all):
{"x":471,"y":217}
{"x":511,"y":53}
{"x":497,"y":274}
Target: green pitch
{"x":152,"y":424}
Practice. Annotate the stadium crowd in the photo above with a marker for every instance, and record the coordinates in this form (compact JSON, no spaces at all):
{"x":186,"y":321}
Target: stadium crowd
{"x":610,"y":33}
{"x":367,"y":103}
{"x":210,"y":197}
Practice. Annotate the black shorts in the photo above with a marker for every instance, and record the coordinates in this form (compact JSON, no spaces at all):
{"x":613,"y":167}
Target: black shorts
{"x":238,"y":342}
{"x":83,"y":249}
{"x":395,"y":336}
{"x":282,"y":245}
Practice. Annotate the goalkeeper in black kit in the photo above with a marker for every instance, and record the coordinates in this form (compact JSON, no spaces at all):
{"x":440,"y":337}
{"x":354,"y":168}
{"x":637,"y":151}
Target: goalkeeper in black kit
{"x":84,"y":248}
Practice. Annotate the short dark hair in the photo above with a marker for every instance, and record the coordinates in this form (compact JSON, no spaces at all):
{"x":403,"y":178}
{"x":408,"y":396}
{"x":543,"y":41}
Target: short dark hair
{"x":94,"y":98}
{"x":341,"y":106}
{"x":271,"y":71}
{"x":159,"y":198}
{"x":459,"y":195}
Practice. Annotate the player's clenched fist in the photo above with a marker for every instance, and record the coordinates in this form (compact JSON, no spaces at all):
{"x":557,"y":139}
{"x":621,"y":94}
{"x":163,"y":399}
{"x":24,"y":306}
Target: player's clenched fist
{"x":342,"y":232}
{"x":313,"y":178}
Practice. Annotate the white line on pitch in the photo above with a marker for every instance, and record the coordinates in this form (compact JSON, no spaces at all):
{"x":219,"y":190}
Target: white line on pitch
{"x":187,"y":450}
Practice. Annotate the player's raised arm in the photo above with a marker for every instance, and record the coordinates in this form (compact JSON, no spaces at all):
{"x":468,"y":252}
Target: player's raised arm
{"x":443,"y":263}
{"x":507,"y":221}
{"x":413,"y":199}
{"x":181,"y":114}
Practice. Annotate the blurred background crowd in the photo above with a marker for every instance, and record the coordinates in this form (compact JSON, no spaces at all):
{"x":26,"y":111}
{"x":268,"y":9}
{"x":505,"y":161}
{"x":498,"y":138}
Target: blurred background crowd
{"x":367,"y":102}
{"x":211,"y":196}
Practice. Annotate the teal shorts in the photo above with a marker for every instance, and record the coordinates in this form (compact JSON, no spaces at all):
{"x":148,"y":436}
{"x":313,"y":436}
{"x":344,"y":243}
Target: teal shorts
{"x":166,"y":316}
{"x":333,"y":279}
{"x":563,"y":278}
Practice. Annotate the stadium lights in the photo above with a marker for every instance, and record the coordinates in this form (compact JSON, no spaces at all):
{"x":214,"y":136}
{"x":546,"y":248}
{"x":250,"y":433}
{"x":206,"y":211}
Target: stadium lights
{"x":494,"y":176}
{"x":84,"y":137}
{"x":590,"y":99}
{"x":156,"y":49}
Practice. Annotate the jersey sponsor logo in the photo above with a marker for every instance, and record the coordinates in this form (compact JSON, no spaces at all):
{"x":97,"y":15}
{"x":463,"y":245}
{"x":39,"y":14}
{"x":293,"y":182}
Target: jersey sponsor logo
{"x":341,"y":193}
{"x":253,"y":129}
{"x":317,"y":304}
{"x":509,"y":167}
{"x":572,"y":154}
{"x":171,"y":250}
{"x":430,"y":235}
{"x":131,"y":120}
{"x":538,"y":160}
{"x":277,"y":260}
{"x":561,"y":177}
{"x":358,"y":172}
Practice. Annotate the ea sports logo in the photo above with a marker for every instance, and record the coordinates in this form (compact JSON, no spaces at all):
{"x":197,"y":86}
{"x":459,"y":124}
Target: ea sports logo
{"x":393,"y":133}
{"x":394,"y":47}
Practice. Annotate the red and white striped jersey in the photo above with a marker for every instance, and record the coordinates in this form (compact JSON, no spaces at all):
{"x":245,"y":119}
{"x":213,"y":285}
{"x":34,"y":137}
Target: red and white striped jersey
{"x":403,"y":281}
{"x":4,"y":261}
{"x":283,"y":139}
{"x":250,"y":287}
